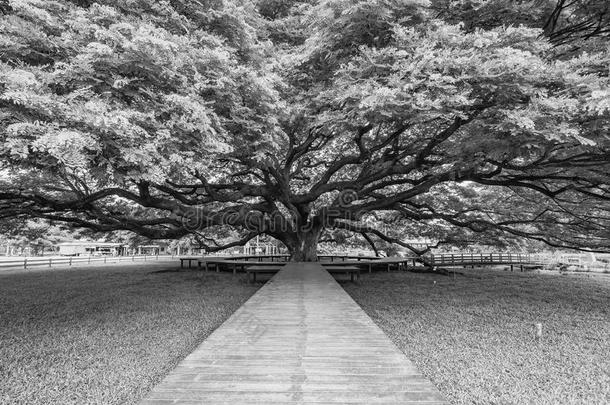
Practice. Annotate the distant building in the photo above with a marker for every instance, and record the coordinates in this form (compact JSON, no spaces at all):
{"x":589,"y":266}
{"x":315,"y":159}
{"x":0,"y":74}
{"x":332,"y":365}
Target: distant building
{"x":86,"y":248}
{"x":256,"y":247}
{"x":151,"y":250}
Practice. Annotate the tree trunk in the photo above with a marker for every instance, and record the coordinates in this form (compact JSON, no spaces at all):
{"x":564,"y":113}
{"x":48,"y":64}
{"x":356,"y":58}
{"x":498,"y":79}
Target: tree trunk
{"x":305,"y":249}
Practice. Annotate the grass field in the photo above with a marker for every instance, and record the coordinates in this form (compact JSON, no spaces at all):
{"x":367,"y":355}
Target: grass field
{"x":104,"y":335}
{"x":474,"y":335}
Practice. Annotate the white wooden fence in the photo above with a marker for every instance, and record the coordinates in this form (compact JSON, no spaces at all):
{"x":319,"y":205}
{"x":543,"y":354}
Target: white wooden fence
{"x":29,"y":262}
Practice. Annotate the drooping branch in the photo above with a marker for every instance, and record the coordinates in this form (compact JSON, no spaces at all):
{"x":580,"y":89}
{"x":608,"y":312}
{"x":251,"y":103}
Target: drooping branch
{"x":575,"y":20}
{"x":240,"y":242}
{"x":370,"y":242}
{"x":365,"y":229}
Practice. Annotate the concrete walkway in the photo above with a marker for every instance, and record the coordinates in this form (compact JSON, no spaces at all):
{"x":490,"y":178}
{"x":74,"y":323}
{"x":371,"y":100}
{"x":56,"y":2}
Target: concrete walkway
{"x":299,"y":340}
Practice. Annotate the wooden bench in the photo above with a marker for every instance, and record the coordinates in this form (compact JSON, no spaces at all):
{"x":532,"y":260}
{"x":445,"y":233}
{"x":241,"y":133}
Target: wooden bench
{"x":206,"y":264}
{"x":351,"y":270}
{"x":189,"y":259}
{"x":215,"y":264}
{"x":528,"y":267}
{"x":234,"y":265}
{"x":389,"y":263}
{"x":254,"y":270}
{"x":363,"y":265}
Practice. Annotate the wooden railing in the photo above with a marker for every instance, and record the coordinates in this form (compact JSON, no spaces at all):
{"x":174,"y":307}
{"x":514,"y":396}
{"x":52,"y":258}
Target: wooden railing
{"x":482,"y":258}
{"x":28,"y":263}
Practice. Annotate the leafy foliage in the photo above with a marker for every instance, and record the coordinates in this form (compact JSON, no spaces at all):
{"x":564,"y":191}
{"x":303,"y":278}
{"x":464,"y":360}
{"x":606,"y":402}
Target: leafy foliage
{"x":36,"y":235}
{"x":295,"y":118}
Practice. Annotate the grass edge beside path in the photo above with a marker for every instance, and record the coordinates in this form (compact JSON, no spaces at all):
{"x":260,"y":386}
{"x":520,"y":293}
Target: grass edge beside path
{"x":105,"y":335}
{"x":474,"y":335}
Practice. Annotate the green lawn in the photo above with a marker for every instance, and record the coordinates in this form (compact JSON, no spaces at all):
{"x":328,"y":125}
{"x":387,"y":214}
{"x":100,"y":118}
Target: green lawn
{"x":473,"y":335}
{"x":104,"y":335}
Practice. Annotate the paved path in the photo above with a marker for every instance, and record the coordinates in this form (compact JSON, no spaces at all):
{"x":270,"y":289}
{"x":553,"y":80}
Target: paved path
{"x":299,"y":340}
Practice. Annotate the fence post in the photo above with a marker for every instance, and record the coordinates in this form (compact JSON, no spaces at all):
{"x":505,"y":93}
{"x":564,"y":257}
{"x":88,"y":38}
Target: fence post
{"x":50,"y":262}
{"x":70,"y":261}
{"x":105,"y":259}
{"x":25,"y":263}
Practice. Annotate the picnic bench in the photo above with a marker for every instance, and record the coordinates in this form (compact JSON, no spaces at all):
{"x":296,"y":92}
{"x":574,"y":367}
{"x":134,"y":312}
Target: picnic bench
{"x":347,"y":270}
{"x":352,"y":263}
{"x":189,"y":260}
{"x":254,"y":270}
{"x":345,"y":257}
{"x":388,"y":263}
{"x":234,"y":264}
{"x":260,"y":258}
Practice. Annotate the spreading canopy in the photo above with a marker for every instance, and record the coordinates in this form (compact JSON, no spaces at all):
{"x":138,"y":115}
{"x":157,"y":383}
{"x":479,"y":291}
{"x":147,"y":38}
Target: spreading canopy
{"x":316,"y":118}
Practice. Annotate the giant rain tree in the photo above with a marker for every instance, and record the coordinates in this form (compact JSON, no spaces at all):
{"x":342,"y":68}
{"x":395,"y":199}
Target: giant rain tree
{"x":178,"y":117}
